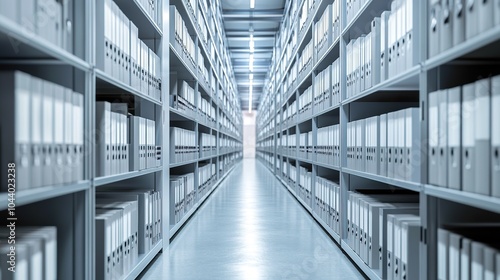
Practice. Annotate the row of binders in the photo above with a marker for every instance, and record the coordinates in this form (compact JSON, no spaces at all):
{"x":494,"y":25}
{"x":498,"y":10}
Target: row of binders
{"x":122,"y":55}
{"x":386,"y":145}
{"x":383,"y":228}
{"x":387,"y":51}
{"x":306,"y":145}
{"x":327,"y":202}
{"x":45,"y":140}
{"x":453,"y":22}
{"x":327,"y":29}
{"x":32,"y":253}
{"x":128,"y":224}
{"x":305,"y":184}
{"x":182,"y":37}
{"x":306,"y":58}
{"x":228,"y":144}
{"x":288,"y":144}
{"x":305,"y":102}
{"x":207,"y":177}
{"x":183,"y":145}
{"x":124,"y":142}
{"x":464,"y":137}
{"x":208,"y":144}
{"x":327,"y":87}
{"x":306,"y":10}
{"x":290,"y":112}
{"x":468,"y":251}
{"x":353,"y":7}
{"x":290,"y":172}
{"x":43,"y":18}
{"x":183,"y":195}
{"x":327,"y":148}
{"x":227,"y":162}
{"x":152,"y":9}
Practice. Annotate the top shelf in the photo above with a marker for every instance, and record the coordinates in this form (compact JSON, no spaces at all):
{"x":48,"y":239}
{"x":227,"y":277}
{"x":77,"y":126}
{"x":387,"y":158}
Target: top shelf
{"x":148,"y":29}
{"x":359,"y":25}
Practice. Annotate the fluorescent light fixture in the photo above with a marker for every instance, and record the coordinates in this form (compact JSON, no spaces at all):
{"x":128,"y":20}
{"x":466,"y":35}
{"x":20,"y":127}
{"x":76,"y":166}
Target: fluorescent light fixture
{"x":252,"y":4}
{"x":252,"y":43}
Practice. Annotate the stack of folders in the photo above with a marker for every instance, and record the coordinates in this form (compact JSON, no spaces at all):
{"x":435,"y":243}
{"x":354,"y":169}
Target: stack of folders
{"x":208,"y":145}
{"x":185,"y":99}
{"x":469,"y":251}
{"x":464,"y":137}
{"x":328,"y":145}
{"x":181,"y":39}
{"x":121,"y":53}
{"x":327,"y":202}
{"x":183,"y":196}
{"x":305,"y":183}
{"x":50,"y":14}
{"x":454,"y":22}
{"x":206,"y":178}
{"x":128,"y":224}
{"x":183,"y":145}
{"x":45,"y":140}
{"x":383,"y":145}
{"x":305,"y":59}
{"x":305,"y":103}
{"x":352,"y":9}
{"x":383,"y":228}
{"x":34,"y":255}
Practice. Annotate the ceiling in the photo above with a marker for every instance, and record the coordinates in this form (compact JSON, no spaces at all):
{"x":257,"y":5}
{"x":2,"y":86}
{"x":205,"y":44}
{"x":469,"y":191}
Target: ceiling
{"x":239,"y":19}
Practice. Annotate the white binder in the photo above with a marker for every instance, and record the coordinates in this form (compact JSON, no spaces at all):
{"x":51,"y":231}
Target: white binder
{"x":489,"y":262}
{"x":454,"y":138}
{"x":48,"y":159}
{"x":383,"y":146}
{"x":495,"y":136}
{"x":471,"y":18}
{"x":36,"y":132}
{"x":465,"y":259}
{"x":412,"y":150}
{"x":103,"y":141}
{"x":443,"y":139}
{"x":477,"y":259}
{"x":482,"y":133}
{"x":442,"y":254}
{"x":485,"y":14}
{"x":384,"y":47}
{"x":455,"y":241}
{"x":133,"y":138}
{"x":58,"y":134}
{"x":78,"y":136}
{"x":410,"y":259}
{"x":142,"y":144}
{"x":433,"y":151}
{"x":446,"y":25}
{"x":468,"y":145}
{"x":413,"y":36}
{"x":391,"y":143}
{"x":67,"y":163}
{"x":434,"y":31}
{"x":458,"y":25}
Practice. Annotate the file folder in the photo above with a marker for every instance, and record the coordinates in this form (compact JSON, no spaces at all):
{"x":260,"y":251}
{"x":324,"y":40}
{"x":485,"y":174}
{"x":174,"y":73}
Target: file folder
{"x":383,"y":145}
{"x":412,"y":153}
{"x":434,"y":138}
{"x":412,"y":32}
{"x":48,"y":160}
{"x":36,"y":132}
{"x":105,"y":244}
{"x":142,"y":144}
{"x":495,"y":136}
{"x":468,"y":139}
{"x":434,"y":31}
{"x":47,"y":238}
{"x":465,"y":259}
{"x":471,"y":18}
{"x":410,"y":259}
{"x":443,"y":139}
{"x":458,"y":25}
{"x":477,"y":259}
{"x":384,"y":46}
{"x":454,"y":248}
{"x":482,"y":135}
{"x":446,"y":25}
{"x":391,"y":144}
{"x":454,"y":137}
{"x":103,"y":141}
{"x":68,"y":137}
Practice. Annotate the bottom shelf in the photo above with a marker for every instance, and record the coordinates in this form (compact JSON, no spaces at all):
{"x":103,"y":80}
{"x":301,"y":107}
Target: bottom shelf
{"x":193,"y":210}
{"x":144,"y":261}
{"x":370,"y":273}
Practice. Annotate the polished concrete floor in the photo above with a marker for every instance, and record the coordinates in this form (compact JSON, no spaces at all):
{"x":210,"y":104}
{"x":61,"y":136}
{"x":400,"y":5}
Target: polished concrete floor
{"x":252,"y":228}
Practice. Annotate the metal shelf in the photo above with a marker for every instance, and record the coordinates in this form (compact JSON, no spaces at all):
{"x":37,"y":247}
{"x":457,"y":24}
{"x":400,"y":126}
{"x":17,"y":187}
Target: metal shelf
{"x":480,"y":201}
{"x":17,"y":42}
{"x":412,"y":186}
{"x":105,"y":81}
{"x":370,"y":273}
{"x":24,"y":197}
{"x":406,"y":81}
{"x":100,"y":181}
{"x":148,"y":29}
{"x":144,"y":261}
{"x":325,"y":165}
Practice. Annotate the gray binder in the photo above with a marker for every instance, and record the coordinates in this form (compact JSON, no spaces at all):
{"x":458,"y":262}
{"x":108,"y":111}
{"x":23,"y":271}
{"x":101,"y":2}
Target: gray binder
{"x":482,"y":137}
{"x":495,"y":136}
{"x":454,"y":137}
{"x":468,"y":150}
{"x":445,"y":25}
{"x":383,"y":145}
{"x":36,"y":132}
{"x":471,"y":18}
{"x":434,"y":20}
